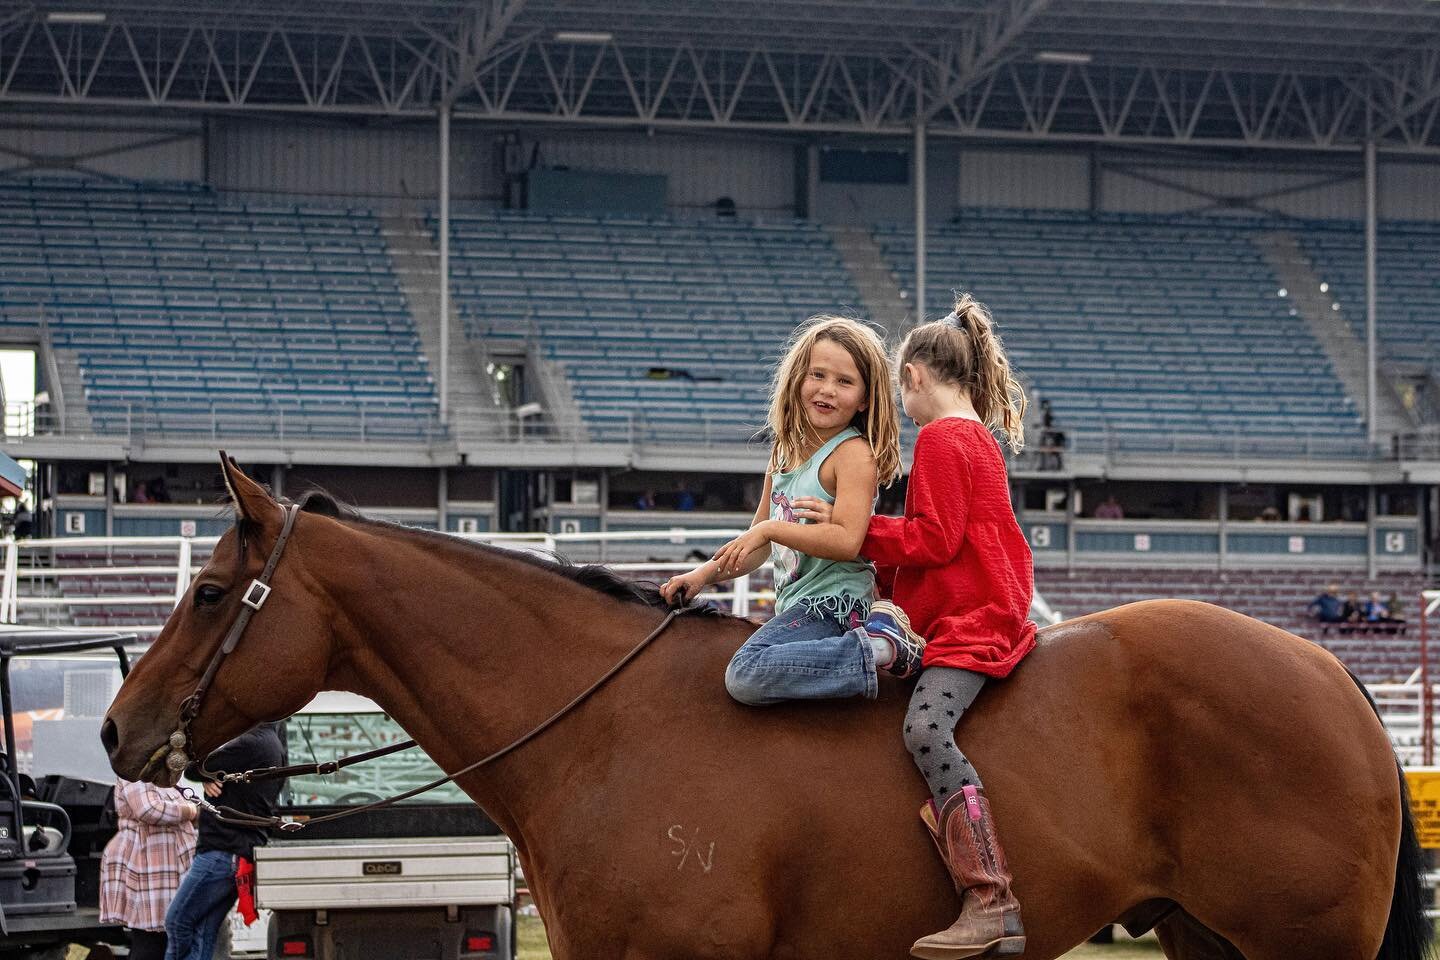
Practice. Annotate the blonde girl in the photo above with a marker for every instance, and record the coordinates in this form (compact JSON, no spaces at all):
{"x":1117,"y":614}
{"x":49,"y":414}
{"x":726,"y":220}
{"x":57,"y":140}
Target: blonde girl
{"x":836,"y":434}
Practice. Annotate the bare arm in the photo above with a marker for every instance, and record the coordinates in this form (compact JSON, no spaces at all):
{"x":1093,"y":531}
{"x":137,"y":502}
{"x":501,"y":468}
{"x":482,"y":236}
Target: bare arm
{"x":710,"y":571}
{"x":841,"y":537}
{"x":838,"y":540}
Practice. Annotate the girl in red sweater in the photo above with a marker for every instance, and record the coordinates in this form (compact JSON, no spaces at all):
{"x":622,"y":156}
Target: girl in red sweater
{"x":959,"y":566}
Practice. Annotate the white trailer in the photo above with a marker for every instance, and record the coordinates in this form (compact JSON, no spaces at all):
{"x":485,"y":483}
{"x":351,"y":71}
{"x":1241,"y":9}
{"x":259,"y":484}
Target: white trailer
{"x":402,"y":899}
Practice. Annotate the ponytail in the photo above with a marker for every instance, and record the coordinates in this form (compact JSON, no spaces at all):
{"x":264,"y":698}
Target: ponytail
{"x":963,"y":349}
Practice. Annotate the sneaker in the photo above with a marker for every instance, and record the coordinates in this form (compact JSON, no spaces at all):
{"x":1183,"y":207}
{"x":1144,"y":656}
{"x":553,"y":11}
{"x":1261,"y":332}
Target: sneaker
{"x":890,"y":623}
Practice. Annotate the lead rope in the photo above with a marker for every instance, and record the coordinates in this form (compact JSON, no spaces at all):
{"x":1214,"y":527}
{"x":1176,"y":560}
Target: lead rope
{"x":240,"y":818}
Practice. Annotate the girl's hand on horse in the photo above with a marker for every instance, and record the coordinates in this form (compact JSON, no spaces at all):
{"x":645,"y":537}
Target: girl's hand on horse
{"x":813,"y":509}
{"x":730,"y":559}
{"x":685,"y":587}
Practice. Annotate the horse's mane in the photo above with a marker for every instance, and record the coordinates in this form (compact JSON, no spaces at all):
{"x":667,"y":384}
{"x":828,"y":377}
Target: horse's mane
{"x":595,"y":576}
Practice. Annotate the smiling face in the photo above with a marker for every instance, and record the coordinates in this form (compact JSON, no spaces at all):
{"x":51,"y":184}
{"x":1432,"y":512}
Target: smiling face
{"x":833,"y":391}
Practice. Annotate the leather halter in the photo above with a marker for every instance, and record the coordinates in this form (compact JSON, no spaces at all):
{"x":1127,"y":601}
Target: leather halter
{"x":252,"y":600}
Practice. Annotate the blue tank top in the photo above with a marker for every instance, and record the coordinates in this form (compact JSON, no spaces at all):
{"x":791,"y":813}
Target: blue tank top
{"x":837,"y":587}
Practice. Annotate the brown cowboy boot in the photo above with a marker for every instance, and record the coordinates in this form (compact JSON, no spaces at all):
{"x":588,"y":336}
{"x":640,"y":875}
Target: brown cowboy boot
{"x":989,"y":923}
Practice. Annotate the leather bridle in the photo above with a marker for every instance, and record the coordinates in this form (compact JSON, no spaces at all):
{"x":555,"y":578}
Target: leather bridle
{"x":253,"y":600}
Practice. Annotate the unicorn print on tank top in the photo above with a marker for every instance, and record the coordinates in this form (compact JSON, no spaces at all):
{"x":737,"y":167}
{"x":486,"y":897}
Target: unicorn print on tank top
{"x":785,"y":559}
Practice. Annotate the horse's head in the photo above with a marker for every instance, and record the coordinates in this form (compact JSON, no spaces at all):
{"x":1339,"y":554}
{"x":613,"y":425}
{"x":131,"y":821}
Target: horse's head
{"x":278,"y":664}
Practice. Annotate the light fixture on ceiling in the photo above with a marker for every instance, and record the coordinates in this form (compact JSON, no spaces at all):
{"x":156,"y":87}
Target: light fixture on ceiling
{"x":74,"y":16}
{"x":583,"y":36}
{"x":1063,"y":56}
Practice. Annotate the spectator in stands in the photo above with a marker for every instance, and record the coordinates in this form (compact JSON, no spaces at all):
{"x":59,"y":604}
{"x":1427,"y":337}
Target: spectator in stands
{"x":158,"y":491}
{"x":1269,"y":515}
{"x":1375,"y":610}
{"x":1328,"y":607}
{"x":141,"y":493}
{"x":1396,"y":608}
{"x":1052,"y":441}
{"x":646,"y":501}
{"x":209,"y":890}
{"x":1352,"y":612}
{"x":1110,"y":510}
{"x":24,"y":521}
{"x":684,"y":499}
{"x":142,"y":865}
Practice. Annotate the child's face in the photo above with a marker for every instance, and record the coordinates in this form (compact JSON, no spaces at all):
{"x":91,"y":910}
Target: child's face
{"x":833,"y":390}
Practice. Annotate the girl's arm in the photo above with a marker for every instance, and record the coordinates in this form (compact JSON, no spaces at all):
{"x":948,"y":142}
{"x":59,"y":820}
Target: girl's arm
{"x":149,"y":805}
{"x":931,"y":532}
{"x":711,"y":572}
{"x":839,"y":539}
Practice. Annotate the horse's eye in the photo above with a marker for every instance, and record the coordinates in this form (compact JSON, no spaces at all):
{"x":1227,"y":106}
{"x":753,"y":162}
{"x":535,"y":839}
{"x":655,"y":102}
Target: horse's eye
{"x":207,"y":594}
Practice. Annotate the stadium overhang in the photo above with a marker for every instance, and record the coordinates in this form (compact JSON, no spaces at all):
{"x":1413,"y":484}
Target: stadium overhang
{"x":1262,"y":74}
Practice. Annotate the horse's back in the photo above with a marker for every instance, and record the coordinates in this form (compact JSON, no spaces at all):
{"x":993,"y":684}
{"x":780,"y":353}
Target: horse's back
{"x":1161,"y":751}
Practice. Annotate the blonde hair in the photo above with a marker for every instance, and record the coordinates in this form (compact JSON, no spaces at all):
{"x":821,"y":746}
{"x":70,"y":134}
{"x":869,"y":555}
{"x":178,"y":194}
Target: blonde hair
{"x":963,"y":349}
{"x":878,"y":423}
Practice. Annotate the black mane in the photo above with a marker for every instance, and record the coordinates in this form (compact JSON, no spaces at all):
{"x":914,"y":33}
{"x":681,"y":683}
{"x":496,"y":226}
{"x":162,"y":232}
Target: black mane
{"x":595,"y":576}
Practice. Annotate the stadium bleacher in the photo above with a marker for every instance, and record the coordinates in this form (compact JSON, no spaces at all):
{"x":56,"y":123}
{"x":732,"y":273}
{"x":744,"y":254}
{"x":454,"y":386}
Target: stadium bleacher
{"x":1276,"y":595}
{"x":1144,"y":328}
{"x":666,"y":328}
{"x":1407,"y":296}
{"x":194,"y":314}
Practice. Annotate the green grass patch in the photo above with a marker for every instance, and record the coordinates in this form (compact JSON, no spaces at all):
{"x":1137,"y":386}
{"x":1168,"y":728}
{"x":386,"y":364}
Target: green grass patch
{"x":530,"y":940}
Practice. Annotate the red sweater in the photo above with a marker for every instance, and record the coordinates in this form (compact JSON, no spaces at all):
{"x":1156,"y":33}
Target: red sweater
{"x":963,"y":570}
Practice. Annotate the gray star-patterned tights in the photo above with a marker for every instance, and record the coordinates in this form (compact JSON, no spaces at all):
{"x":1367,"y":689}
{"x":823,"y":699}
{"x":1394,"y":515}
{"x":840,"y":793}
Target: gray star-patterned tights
{"x":941,"y":695}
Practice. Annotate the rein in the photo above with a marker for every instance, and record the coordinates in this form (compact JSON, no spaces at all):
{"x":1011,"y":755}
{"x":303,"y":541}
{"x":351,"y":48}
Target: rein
{"x":254,"y":599}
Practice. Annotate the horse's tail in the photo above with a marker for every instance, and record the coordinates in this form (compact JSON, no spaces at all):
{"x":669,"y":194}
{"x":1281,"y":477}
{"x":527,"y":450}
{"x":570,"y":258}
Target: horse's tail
{"x":1408,"y":931}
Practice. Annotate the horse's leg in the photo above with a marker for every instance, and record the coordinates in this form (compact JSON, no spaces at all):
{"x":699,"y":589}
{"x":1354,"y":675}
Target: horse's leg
{"x":1185,"y":938}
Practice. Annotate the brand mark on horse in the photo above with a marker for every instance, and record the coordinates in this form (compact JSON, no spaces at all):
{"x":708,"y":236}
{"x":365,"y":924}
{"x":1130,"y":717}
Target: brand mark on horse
{"x":684,"y":848}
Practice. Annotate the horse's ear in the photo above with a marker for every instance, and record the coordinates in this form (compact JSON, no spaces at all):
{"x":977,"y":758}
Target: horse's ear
{"x":252,"y":501}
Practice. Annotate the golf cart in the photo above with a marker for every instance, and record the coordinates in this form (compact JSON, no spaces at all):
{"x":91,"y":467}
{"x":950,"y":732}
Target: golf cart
{"x":56,"y":811}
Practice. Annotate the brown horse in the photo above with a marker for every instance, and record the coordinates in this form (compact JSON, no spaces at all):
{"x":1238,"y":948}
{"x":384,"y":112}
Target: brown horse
{"x":1165,"y":764}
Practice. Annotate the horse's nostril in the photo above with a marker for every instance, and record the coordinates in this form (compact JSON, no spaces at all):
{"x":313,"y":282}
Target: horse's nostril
{"x":109,"y":736}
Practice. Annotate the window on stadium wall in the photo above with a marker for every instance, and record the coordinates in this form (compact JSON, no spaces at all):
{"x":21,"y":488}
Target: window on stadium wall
{"x":685,"y":492}
{"x":1144,"y":500}
{"x":1397,"y":501}
{"x":1296,"y":503}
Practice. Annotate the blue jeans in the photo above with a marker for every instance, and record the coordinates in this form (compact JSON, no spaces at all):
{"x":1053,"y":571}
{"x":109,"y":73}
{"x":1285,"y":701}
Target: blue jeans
{"x":803,"y":654}
{"x":200,"y":906}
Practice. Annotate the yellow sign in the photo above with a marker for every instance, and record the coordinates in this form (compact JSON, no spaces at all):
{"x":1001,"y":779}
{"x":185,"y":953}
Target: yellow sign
{"x":1425,"y":802}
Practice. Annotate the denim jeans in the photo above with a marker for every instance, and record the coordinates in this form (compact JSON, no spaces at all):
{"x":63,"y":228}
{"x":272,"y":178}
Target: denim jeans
{"x":803,"y":654}
{"x":205,"y":897}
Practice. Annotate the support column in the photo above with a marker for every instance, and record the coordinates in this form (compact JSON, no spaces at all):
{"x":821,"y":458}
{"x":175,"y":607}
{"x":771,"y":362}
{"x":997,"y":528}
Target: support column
{"x":1070,"y":525}
{"x":1370,"y":531}
{"x":1223,"y":509}
{"x":812,"y":181}
{"x":1096,"y":172}
{"x":1370,"y":256}
{"x":444,"y":278}
{"x":442,"y":500}
{"x":919,"y":160}
{"x":109,"y":501}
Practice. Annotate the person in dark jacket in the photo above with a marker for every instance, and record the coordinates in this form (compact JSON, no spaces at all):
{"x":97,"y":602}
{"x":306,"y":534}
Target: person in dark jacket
{"x":1328,"y":607}
{"x":208,"y":891}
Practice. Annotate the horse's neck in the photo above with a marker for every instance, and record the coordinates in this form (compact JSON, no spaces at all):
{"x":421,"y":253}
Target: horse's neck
{"x":469,"y":652}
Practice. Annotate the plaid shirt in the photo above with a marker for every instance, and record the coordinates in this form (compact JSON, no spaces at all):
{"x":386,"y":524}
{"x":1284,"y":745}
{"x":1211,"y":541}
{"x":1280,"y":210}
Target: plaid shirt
{"x":148,"y":855}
